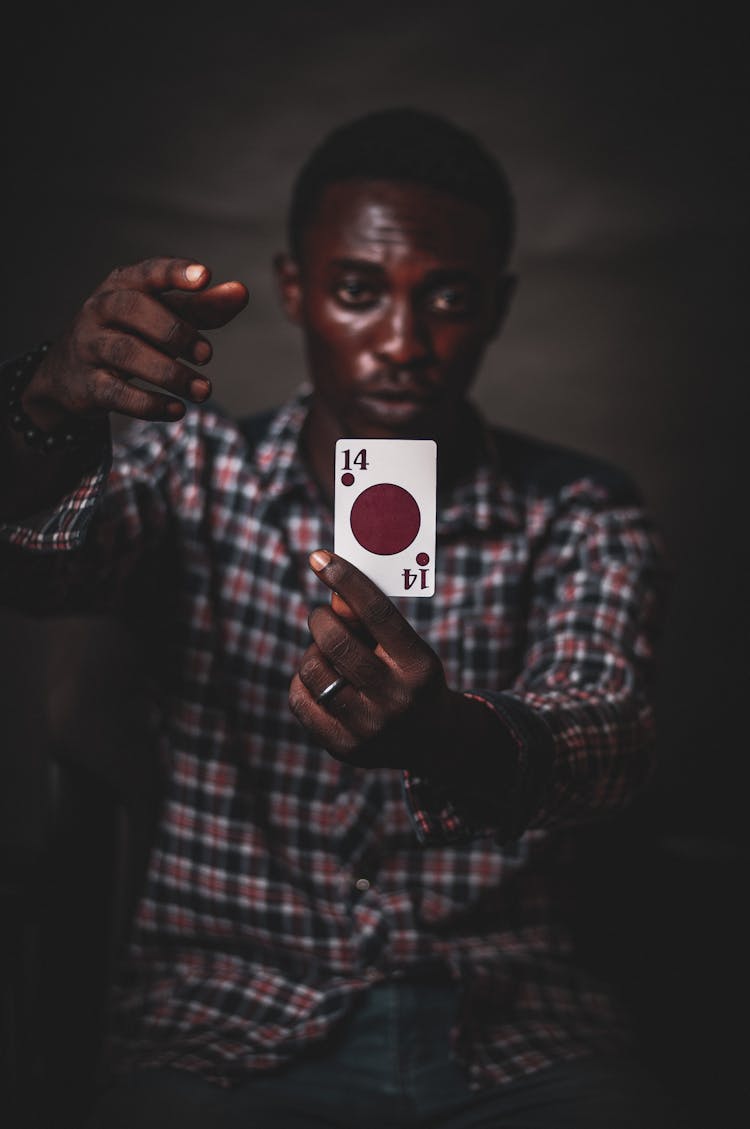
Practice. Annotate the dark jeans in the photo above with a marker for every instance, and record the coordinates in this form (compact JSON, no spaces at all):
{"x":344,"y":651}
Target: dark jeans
{"x":390,"y":1068}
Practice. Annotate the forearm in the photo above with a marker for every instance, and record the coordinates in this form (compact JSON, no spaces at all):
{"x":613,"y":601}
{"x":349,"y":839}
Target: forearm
{"x":32,"y":482}
{"x":42,"y":456}
{"x":473,"y":757}
{"x":579,"y":708}
{"x":486,"y":773}
{"x":514,"y":763}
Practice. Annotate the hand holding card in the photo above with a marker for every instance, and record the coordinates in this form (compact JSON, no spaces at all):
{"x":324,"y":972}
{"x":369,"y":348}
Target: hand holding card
{"x":384,"y":515}
{"x":391,"y":702}
{"x":387,"y":704}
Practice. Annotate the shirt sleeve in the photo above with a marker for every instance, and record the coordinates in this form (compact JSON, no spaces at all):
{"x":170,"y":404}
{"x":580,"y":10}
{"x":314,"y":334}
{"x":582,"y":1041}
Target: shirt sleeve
{"x":63,"y":526}
{"x":84,"y":553}
{"x":579,"y":711}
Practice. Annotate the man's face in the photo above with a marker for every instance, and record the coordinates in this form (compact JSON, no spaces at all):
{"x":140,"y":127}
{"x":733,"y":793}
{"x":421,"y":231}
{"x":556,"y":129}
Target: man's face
{"x":398,"y":293}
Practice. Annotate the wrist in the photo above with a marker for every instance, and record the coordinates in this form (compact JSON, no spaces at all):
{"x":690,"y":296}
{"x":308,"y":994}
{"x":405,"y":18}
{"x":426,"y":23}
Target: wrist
{"x":472,"y":755}
{"x":39,"y":423}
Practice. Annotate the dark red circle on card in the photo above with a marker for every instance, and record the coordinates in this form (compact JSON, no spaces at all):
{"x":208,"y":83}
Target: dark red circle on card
{"x":423,"y":558}
{"x":347,"y":479}
{"x":385,"y":519}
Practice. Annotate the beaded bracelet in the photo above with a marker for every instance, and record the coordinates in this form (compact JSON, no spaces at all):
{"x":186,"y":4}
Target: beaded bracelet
{"x":68,"y":437}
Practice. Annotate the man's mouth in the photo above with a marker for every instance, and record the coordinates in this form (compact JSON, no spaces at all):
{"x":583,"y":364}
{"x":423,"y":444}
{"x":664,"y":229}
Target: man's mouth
{"x":403,"y":396}
{"x":405,"y":392}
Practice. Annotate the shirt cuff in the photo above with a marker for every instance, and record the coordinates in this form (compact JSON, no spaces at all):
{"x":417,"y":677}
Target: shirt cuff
{"x":64,"y":525}
{"x":440,"y":818}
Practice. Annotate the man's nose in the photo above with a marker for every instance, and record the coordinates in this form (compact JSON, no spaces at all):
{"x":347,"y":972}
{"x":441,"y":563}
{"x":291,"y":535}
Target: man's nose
{"x":404,"y":339}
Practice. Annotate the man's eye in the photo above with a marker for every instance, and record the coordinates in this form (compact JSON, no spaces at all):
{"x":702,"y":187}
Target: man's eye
{"x":450,"y":300}
{"x":353,"y":292}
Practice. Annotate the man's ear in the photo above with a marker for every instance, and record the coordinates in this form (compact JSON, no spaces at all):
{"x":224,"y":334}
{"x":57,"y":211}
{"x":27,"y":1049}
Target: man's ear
{"x":290,"y":286}
{"x":507,"y":285}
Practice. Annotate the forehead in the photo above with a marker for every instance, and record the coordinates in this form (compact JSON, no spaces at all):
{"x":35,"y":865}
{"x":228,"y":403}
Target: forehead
{"x":386,"y":221}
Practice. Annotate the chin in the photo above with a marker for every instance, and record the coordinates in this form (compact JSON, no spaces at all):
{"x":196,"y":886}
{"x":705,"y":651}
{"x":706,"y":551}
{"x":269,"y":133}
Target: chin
{"x":381,"y":419}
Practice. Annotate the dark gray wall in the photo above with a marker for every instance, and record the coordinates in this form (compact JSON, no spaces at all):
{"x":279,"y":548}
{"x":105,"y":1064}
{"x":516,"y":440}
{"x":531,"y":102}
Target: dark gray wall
{"x":623,"y":131}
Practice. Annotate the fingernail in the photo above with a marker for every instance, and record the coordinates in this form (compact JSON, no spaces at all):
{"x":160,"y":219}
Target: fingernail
{"x":194,"y":272}
{"x":319,"y":559}
{"x":201,"y":352}
{"x":175,"y":409}
{"x":199,"y":389}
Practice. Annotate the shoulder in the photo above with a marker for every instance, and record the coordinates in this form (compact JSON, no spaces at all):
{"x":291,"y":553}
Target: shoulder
{"x":538,"y":467}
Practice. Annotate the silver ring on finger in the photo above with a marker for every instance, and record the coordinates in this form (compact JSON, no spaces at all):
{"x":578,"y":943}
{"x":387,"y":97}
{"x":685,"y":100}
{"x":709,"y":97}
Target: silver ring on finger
{"x":330,"y":690}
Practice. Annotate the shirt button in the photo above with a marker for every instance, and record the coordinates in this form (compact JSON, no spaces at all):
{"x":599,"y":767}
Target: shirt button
{"x":362,"y":884}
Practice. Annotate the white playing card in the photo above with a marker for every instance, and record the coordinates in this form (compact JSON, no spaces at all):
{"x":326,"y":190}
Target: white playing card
{"x":384,"y":511}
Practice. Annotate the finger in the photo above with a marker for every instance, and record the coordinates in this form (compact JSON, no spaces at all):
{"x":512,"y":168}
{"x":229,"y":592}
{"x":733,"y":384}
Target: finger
{"x":378,"y":614}
{"x":130,"y":357}
{"x":316,"y":673}
{"x":140,"y":313}
{"x":162,"y":273}
{"x":347,"y":654}
{"x":362,"y":717}
{"x":211,"y":308}
{"x":342,"y":609}
{"x":108,"y":392}
{"x":327,"y":730}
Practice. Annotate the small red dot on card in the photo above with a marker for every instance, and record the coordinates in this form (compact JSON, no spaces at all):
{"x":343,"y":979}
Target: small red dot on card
{"x":347,"y":479}
{"x":423,"y":558}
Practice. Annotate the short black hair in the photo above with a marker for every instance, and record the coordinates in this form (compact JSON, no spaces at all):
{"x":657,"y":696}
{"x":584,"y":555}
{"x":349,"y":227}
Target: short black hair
{"x":405,"y":144}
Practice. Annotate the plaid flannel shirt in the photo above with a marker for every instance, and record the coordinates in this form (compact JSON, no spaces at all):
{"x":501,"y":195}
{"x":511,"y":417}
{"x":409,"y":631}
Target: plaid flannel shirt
{"x":281,"y":882}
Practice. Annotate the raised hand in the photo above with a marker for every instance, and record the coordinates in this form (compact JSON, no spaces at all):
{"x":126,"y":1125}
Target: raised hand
{"x":394,"y":705}
{"x":144,"y":322}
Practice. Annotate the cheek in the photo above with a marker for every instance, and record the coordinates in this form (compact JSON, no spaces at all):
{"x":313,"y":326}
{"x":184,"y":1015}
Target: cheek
{"x":342,"y":342}
{"x":459,"y":348}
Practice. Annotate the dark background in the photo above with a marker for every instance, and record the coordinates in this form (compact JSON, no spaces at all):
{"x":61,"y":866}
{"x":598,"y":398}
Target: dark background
{"x":624,"y":132}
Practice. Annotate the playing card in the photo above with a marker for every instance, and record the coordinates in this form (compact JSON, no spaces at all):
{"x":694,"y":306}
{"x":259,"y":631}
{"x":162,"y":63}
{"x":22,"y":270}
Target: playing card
{"x":384,"y":511}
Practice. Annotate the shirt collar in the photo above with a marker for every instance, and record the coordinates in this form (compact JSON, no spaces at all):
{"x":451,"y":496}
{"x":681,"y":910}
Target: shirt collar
{"x":278,"y":461}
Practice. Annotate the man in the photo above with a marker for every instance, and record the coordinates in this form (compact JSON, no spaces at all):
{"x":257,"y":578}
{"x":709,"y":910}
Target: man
{"x":354,"y":912}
